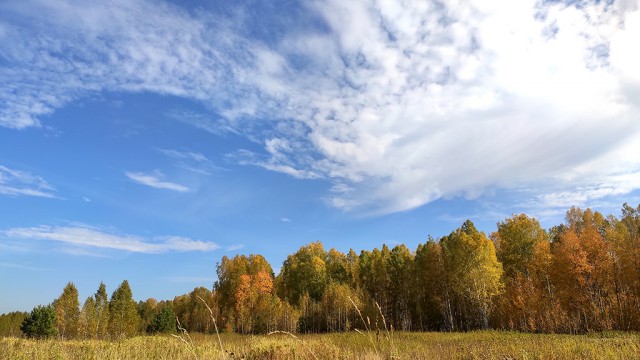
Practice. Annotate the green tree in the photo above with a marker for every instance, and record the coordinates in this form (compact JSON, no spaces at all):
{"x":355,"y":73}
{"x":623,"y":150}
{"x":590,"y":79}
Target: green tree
{"x":67,"y":308}
{"x":124,"y":318}
{"x":163,"y":322}
{"x":41,"y":323}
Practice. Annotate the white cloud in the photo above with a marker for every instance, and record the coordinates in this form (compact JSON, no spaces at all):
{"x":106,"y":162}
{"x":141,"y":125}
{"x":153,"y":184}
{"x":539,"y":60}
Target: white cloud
{"x":154,"y":180}
{"x":286,"y":220}
{"x":85,"y":236}
{"x":396,"y":103}
{"x":20,"y":183}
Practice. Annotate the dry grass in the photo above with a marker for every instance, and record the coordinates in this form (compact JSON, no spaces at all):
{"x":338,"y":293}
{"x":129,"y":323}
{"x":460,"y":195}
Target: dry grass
{"x":474,"y":345}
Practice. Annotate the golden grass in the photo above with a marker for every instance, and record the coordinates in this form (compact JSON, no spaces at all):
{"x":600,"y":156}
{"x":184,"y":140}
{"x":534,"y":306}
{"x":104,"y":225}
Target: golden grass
{"x":353,"y":345}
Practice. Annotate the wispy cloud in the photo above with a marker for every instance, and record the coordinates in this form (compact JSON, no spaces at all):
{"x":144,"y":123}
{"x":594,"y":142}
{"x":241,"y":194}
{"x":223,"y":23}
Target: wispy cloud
{"x":192,"y":161}
{"x":400,"y":104}
{"x":154,"y":180}
{"x":20,"y":183}
{"x":285,"y":220}
{"x":85,"y":236}
{"x":20,"y":266}
{"x":234,"y":247}
{"x":216,"y":126}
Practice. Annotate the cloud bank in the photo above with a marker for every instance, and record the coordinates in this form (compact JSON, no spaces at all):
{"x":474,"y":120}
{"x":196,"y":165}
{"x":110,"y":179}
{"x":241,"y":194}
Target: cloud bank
{"x":395,"y":103}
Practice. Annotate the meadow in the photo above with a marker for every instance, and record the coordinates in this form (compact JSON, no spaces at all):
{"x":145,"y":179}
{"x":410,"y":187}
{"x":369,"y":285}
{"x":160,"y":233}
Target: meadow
{"x":351,"y":345}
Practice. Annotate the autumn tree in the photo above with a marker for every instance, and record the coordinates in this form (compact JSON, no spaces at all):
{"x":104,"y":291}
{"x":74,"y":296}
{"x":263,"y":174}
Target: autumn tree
{"x":376,"y":283}
{"x":10,"y":323}
{"x":88,"y":323}
{"x":67,"y":308}
{"x":524,"y":251}
{"x":124,"y":318}
{"x":147,"y":311}
{"x":304,"y":272}
{"x":623,"y":239}
{"x":246,"y":289}
{"x":400,"y":276}
{"x":102,"y":311}
{"x":583,"y":272}
{"x":201,"y":300}
{"x":338,"y":269}
{"x":473,"y":274}
{"x":255,"y":303}
{"x":432,"y":311}
{"x":353,"y":264}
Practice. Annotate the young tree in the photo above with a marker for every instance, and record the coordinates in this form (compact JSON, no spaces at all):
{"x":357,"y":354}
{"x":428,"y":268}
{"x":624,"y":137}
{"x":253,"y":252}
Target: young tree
{"x":41,"y":323}
{"x":67,"y":308}
{"x":88,"y":319}
{"x":102,"y":312}
{"x":124,"y":318}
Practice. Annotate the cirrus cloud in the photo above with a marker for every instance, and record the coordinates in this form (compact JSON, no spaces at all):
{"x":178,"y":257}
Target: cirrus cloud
{"x":154,"y":180}
{"x":85,"y":236}
{"x":19,"y":183}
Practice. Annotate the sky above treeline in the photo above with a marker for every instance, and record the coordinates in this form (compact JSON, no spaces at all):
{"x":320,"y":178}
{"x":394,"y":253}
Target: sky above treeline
{"x":144,"y":140}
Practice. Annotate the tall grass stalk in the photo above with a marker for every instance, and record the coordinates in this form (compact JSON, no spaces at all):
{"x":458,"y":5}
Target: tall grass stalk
{"x":367,"y":327}
{"x":184,"y":336}
{"x":215,"y":325}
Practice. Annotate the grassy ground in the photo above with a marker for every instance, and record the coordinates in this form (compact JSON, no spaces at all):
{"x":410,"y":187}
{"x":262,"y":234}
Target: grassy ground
{"x":475,"y":345}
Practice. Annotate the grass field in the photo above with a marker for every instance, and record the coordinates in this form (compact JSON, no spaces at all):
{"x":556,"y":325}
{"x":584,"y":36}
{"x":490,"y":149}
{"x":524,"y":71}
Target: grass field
{"x":474,"y":345}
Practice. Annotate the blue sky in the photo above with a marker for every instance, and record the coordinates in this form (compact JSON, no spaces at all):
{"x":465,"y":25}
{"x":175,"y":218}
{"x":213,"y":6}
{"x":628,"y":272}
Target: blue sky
{"x":144,"y":140}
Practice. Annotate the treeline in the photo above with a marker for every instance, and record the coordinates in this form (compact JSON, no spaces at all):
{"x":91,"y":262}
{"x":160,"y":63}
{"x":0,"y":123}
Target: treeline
{"x":10,"y":323}
{"x":101,"y":317}
{"x":580,"y":276}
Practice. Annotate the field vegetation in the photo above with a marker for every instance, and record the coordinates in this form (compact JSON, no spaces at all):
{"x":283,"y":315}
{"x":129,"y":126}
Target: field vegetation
{"x":348,"y":345}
